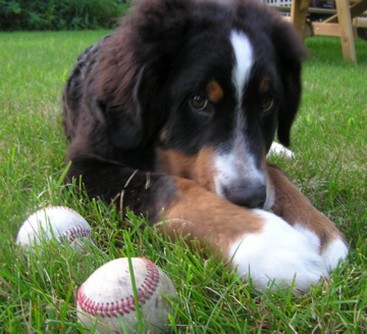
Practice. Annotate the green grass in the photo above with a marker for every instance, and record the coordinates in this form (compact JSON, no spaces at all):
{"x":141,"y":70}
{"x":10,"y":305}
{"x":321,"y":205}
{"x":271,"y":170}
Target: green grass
{"x":37,"y":289}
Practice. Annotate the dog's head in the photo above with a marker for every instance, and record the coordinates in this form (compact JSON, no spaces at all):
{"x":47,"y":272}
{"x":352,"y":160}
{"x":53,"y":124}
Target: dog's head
{"x":215,"y":80}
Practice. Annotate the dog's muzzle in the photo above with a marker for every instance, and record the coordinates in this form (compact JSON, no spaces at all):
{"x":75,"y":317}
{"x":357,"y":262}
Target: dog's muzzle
{"x":251,"y":195}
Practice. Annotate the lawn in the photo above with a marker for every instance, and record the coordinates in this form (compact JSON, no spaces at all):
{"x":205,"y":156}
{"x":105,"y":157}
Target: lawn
{"x":37,"y":288}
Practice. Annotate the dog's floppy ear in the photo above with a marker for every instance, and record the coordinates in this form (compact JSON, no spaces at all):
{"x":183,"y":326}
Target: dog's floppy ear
{"x":290,"y":54}
{"x":161,"y":26}
{"x":133,"y":67}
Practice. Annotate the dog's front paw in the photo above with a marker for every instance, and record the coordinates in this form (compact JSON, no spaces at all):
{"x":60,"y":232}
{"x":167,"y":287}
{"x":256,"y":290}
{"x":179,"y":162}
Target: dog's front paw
{"x":280,"y":150}
{"x":277,"y":255}
{"x":334,"y":252}
{"x":333,"y":247}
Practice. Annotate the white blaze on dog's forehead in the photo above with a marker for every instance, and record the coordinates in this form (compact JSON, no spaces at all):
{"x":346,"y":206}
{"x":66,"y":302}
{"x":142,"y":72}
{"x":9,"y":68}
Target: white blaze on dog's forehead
{"x":243,"y":55}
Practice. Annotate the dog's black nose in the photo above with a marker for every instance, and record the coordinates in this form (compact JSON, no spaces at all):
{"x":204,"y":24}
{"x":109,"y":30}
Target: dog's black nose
{"x":251,"y":196}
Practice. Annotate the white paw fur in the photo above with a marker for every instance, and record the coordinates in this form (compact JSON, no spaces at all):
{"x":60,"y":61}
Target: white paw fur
{"x":279,"y":149}
{"x":334,"y":252}
{"x":278,"y":254}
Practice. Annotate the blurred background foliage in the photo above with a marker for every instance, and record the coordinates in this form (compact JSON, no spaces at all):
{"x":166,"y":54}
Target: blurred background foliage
{"x":60,"y":14}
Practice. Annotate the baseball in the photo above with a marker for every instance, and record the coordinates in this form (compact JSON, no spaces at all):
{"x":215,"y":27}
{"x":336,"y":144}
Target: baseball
{"x":105,"y":301}
{"x":55,"y":222}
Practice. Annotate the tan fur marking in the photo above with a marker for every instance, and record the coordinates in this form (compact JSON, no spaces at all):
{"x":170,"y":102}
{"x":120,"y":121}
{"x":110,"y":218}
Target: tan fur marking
{"x":203,"y":216}
{"x":264,"y":85}
{"x":214,"y":91}
{"x":295,"y":208}
{"x":198,"y":167}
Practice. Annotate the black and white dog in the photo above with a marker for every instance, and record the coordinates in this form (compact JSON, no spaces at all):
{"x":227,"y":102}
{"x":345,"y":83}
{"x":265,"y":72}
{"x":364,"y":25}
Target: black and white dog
{"x":173,"y":114}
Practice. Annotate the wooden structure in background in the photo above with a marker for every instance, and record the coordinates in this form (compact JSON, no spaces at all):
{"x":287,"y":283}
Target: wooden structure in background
{"x":342,"y":22}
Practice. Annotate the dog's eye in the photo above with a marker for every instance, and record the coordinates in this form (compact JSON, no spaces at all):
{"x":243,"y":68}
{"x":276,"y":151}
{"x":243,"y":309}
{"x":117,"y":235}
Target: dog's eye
{"x":268,"y":104}
{"x":198,"y":103}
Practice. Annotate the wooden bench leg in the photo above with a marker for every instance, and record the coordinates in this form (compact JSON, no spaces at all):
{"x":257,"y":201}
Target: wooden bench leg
{"x":346,"y":30}
{"x":299,"y":11}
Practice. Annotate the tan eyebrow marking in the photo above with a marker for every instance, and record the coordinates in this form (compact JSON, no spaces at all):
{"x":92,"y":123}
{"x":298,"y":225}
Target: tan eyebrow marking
{"x":214,"y":91}
{"x":264,"y":85}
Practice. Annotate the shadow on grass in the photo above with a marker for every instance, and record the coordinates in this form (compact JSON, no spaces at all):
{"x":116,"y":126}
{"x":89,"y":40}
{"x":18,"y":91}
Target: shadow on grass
{"x":328,"y":50}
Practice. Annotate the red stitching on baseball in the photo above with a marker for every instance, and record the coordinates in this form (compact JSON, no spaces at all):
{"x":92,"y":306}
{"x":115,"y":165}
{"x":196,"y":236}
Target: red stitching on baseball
{"x":78,"y":231}
{"x":125,"y":305}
